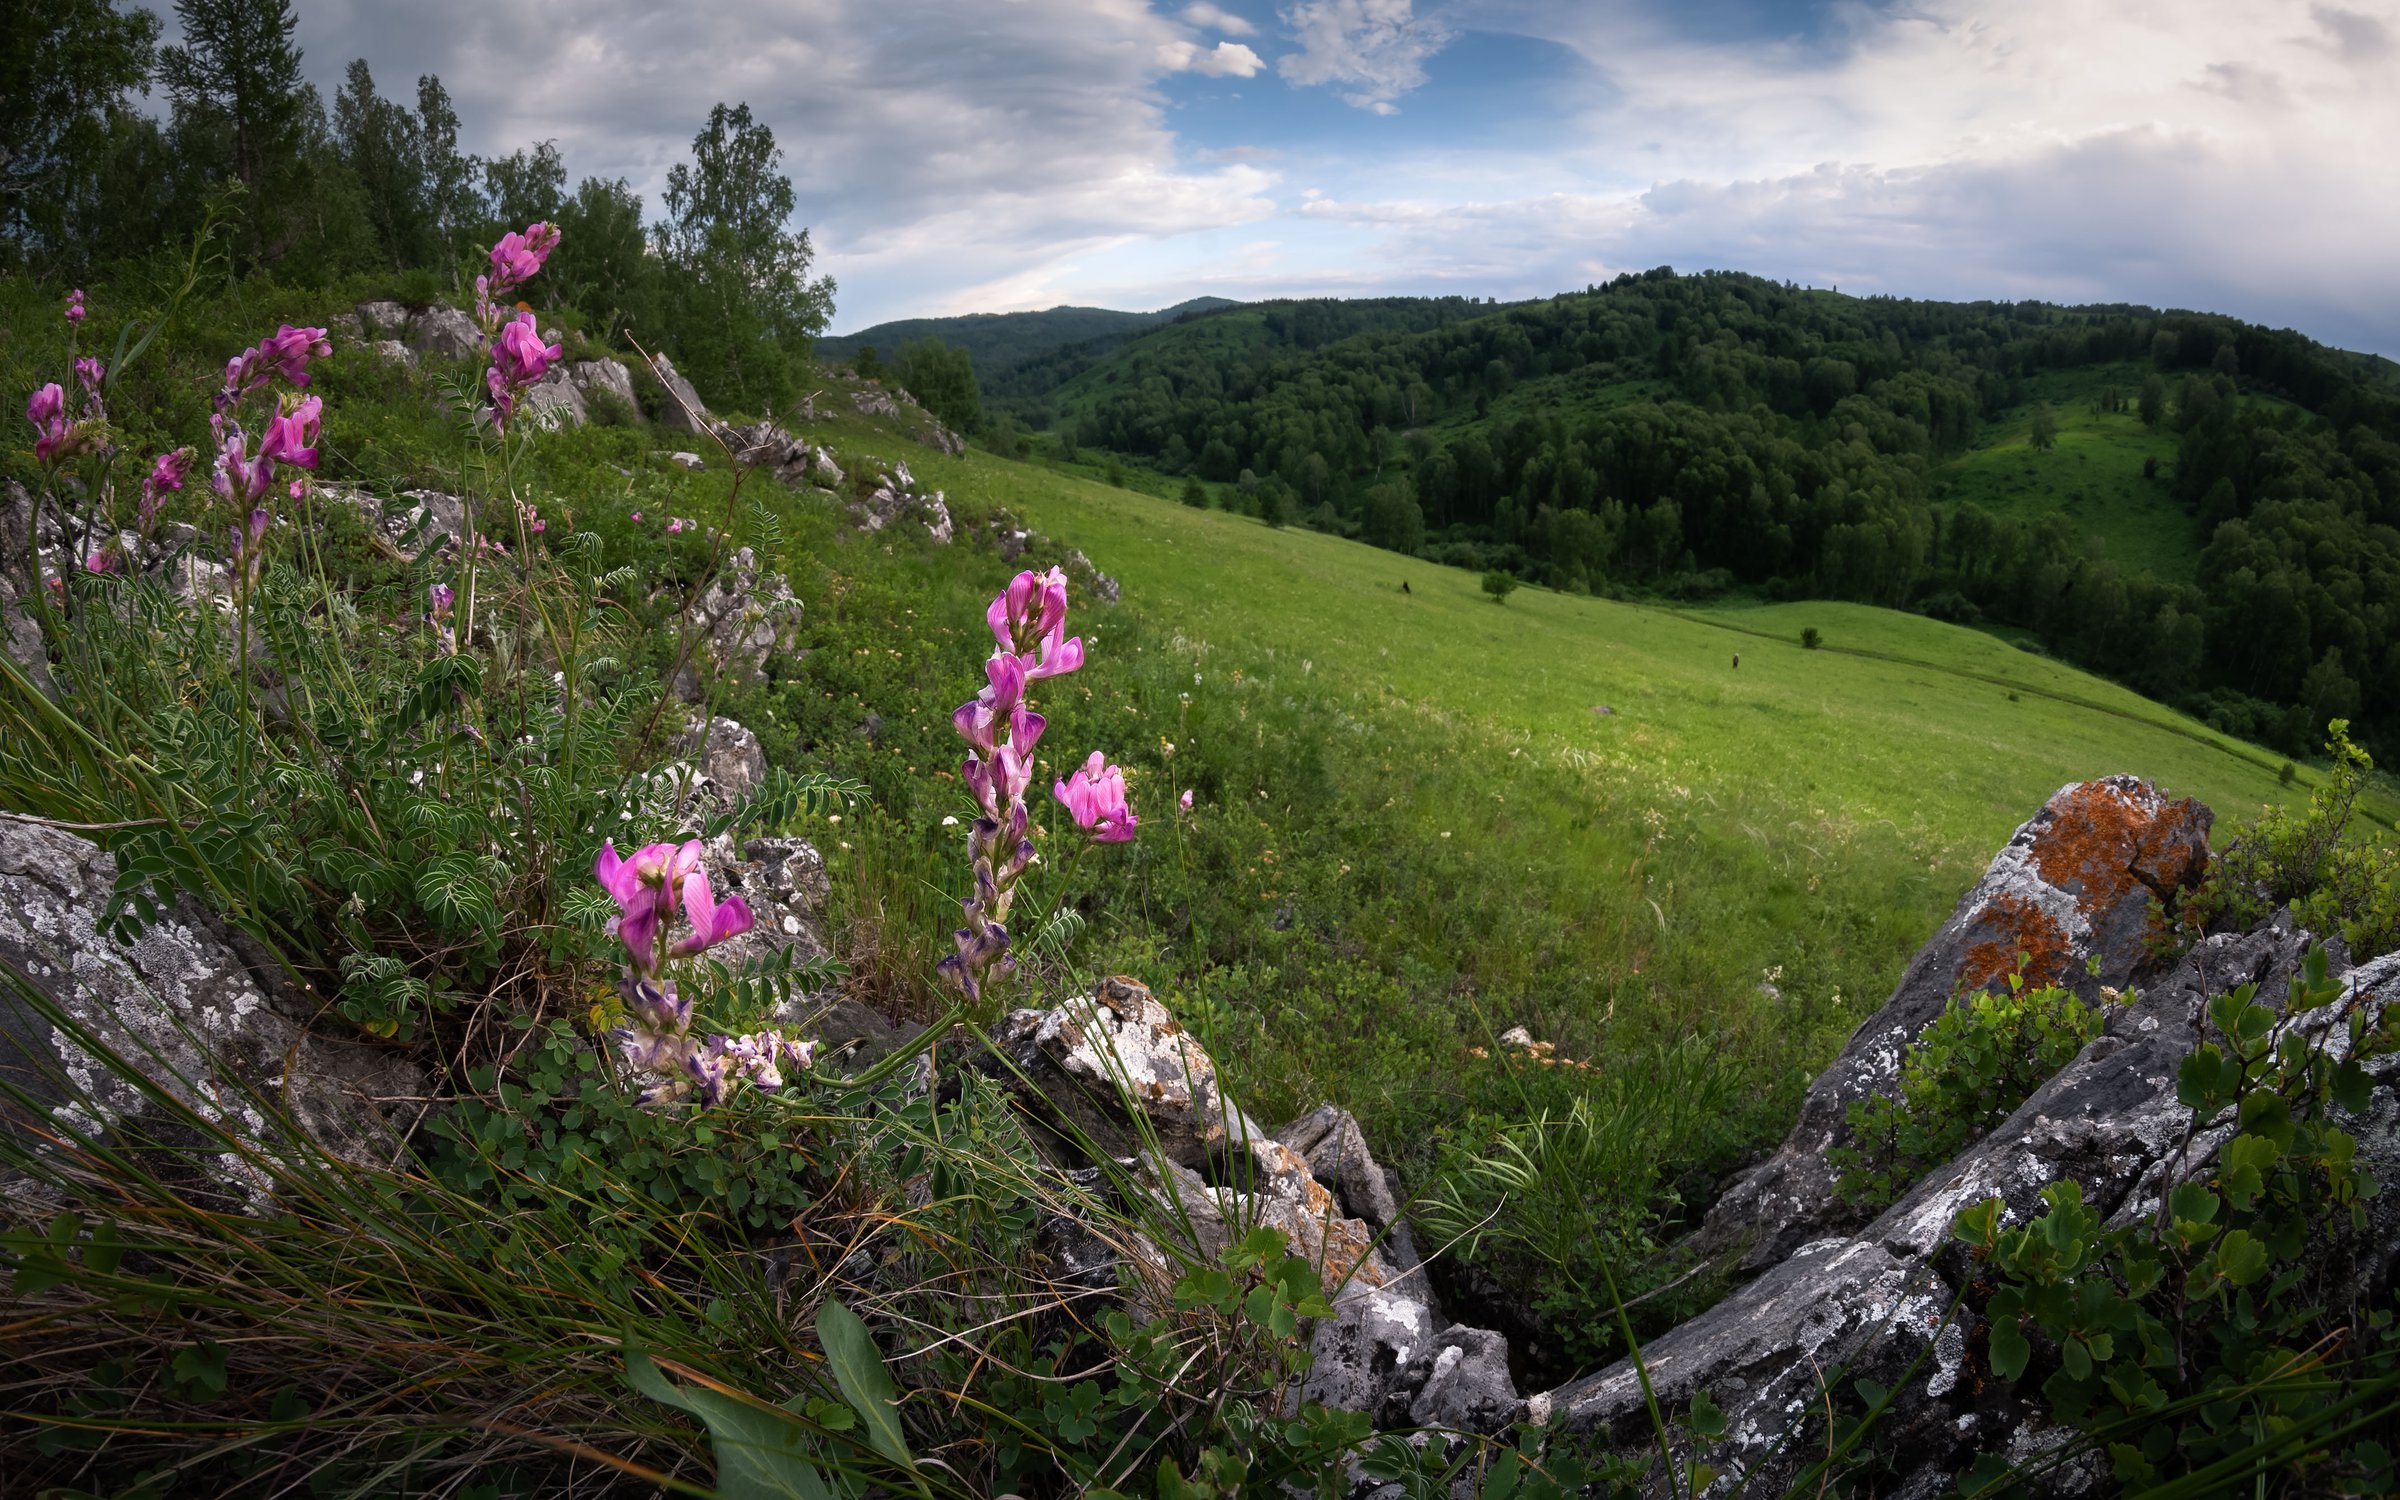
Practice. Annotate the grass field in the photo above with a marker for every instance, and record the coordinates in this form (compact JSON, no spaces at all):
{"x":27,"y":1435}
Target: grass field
{"x":1616,"y":880}
{"x":2093,"y":476}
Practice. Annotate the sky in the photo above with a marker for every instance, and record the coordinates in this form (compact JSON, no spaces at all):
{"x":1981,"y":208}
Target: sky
{"x":959,"y":156}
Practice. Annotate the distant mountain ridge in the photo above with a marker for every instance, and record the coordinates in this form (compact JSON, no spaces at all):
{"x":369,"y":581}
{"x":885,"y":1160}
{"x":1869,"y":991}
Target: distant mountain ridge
{"x":999,"y":341}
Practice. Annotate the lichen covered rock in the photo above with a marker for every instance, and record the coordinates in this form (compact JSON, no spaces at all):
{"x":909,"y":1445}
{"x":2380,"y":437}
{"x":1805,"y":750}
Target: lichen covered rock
{"x":2073,"y":890}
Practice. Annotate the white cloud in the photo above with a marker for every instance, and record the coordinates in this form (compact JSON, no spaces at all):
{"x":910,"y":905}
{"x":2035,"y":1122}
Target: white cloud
{"x":1216,"y":18}
{"x":1377,"y":49}
{"x":1224,"y":60}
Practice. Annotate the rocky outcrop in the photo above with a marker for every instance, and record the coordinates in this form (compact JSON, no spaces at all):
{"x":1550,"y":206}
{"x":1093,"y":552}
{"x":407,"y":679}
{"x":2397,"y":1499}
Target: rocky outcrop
{"x":745,"y":619}
{"x":683,"y":411}
{"x":874,"y":402}
{"x":393,"y":352}
{"x":443,"y":332}
{"x":553,"y":401}
{"x":2073,"y":891}
{"x":383,"y":320}
{"x":1115,"y":1074}
{"x":1897,"y":1300}
{"x":895,"y":498}
{"x":605,"y":378}
{"x":795,"y":461}
{"x":180,"y":1007}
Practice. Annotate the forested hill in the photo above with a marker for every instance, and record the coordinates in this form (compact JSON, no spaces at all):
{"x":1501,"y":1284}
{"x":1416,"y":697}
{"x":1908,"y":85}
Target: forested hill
{"x":999,"y":341}
{"x":1068,"y":377}
{"x":1692,"y":434}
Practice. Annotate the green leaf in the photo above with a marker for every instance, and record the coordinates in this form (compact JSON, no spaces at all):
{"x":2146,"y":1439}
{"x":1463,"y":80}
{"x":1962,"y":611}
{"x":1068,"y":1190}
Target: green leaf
{"x":1707,"y":1421}
{"x":857,"y":1367}
{"x":2010,"y":1351}
{"x":2241,"y":1258}
{"x":761,"y":1452}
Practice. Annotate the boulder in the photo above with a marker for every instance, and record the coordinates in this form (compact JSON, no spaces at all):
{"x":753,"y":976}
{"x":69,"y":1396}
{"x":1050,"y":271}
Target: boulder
{"x":1116,"y":1070}
{"x":383,"y":320}
{"x":893,"y":500}
{"x":1874,"y":1301}
{"x":393,"y":352}
{"x":683,"y":412}
{"x":691,"y":463}
{"x":745,"y":620}
{"x":553,"y":401}
{"x":178,"y":1005}
{"x":443,"y":332}
{"x":874,"y":403}
{"x":783,"y":880}
{"x":347,"y":328}
{"x":597,"y":375}
{"x":729,"y":757}
{"x":2073,"y":890}
{"x":937,"y":436}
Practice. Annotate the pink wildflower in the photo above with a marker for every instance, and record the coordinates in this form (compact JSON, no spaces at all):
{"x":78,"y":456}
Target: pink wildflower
{"x":673,"y":525}
{"x":91,"y":372}
{"x":1186,"y":799}
{"x":284,"y":352}
{"x":519,"y":358}
{"x":47,"y":411}
{"x":1094,"y":796}
{"x":75,"y":305}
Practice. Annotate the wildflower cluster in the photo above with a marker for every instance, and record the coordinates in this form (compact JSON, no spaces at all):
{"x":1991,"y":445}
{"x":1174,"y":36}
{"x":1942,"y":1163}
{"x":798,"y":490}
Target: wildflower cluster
{"x":243,"y":476}
{"x":1029,"y":622}
{"x":57,"y":435}
{"x":519,"y":357}
{"x":651,"y":890}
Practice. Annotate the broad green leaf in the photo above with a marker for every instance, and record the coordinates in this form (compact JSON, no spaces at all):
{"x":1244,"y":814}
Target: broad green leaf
{"x":762,"y":1454}
{"x":2009,"y":1349}
{"x":857,"y":1367}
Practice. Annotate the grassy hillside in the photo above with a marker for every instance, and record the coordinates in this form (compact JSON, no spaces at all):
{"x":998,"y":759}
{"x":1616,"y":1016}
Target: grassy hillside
{"x":2093,"y":475}
{"x":997,"y":341}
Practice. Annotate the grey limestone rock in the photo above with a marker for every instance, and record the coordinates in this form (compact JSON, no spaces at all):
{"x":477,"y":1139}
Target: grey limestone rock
{"x":684,"y":411}
{"x":553,"y":401}
{"x":392,"y":351}
{"x":443,"y":332}
{"x":178,"y":1005}
{"x":746,"y":619}
{"x":383,"y":320}
{"x":2073,"y":889}
{"x":590,"y":376}
{"x":1875,"y":1299}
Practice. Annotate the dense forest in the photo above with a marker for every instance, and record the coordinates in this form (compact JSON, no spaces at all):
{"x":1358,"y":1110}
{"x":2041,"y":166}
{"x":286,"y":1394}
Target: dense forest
{"x":376,"y":191}
{"x":997,"y":342}
{"x":1689,"y":434}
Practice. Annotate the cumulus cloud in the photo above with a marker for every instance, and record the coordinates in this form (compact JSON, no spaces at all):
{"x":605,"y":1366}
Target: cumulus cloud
{"x":1375,"y":50}
{"x":1224,"y":60}
{"x":936,"y":145}
{"x":1216,"y":18}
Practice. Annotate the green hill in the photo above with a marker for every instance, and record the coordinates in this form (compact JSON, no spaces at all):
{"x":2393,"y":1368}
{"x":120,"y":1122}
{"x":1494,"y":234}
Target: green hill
{"x":1704,"y":436}
{"x":1000,"y":341}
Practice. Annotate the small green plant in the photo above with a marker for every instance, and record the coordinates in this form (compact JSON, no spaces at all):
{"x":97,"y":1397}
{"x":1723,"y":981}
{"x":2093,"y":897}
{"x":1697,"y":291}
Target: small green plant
{"x":1973,"y":1066}
{"x":2213,"y":1339}
{"x":2320,"y":863}
{"x":1811,"y":638}
{"x":1195,"y":494}
{"x":1500,"y":583}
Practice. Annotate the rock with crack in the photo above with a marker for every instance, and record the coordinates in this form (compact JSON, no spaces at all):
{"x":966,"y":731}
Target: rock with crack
{"x":1876,"y":1299}
{"x":178,"y":1007}
{"x":874,"y":403}
{"x":443,"y":332}
{"x":393,"y":352}
{"x":382,"y":320}
{"x":894,"y":500}
{"x":554,"y":401}
{"x":745,"y":620}
{"x":606,"y":377}
{"x":942,"y":439}
{"x":2073,"y":890}
{"x":683,"y":411}
{"x":1114,"y":1073}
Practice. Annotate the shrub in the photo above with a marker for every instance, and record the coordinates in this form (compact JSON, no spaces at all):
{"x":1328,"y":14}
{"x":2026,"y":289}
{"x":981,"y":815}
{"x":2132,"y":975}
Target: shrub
{"x":1195,"y":494}
{"x":2333,"y":875}
{"x":1499,"y":583}
{"x":1970,"y":1070}
{"x":2193,"y":1342}
{"x":1810,"y":638}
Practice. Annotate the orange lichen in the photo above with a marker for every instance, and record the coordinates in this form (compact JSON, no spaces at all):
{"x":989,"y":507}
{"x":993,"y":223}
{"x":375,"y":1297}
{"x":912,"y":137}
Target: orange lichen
{"x":2022,"y":927}
{"x":2100,"y":846}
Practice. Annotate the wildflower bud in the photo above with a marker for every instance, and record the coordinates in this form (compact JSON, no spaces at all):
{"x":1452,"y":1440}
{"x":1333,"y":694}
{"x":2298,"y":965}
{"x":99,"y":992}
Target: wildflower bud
{"x":75,"y":306}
